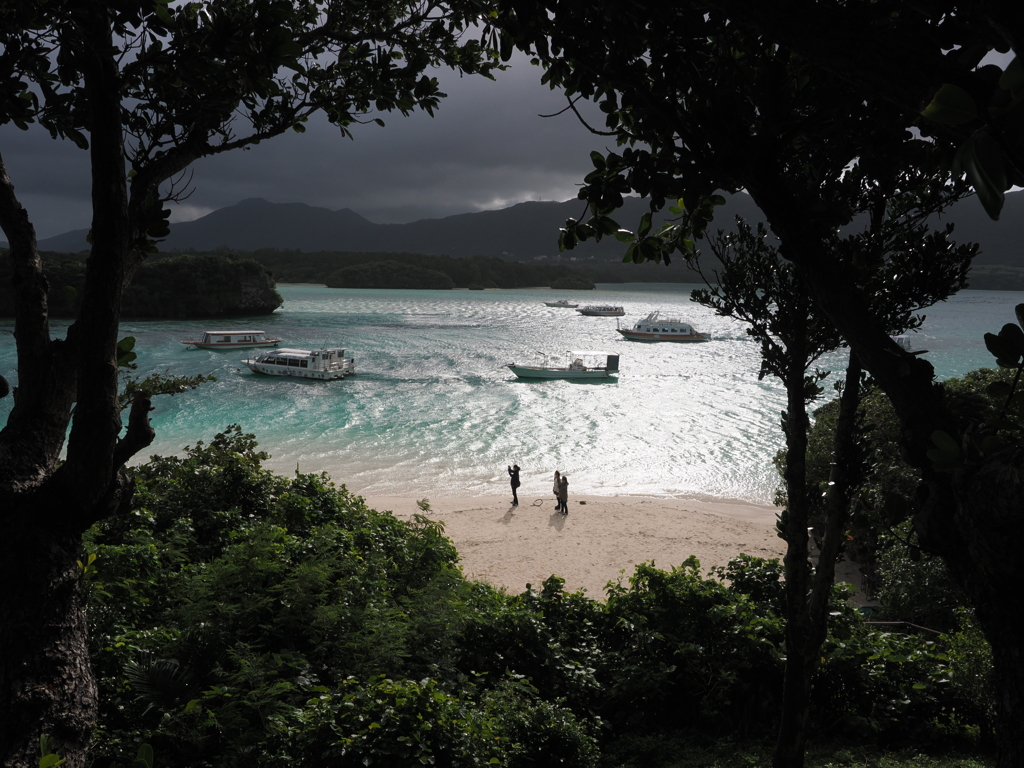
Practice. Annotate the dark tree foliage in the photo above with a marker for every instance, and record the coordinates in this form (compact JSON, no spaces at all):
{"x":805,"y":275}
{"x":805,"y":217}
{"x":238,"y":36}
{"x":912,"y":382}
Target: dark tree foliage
{"x":698,"y":102}
{"x":921,"y":57}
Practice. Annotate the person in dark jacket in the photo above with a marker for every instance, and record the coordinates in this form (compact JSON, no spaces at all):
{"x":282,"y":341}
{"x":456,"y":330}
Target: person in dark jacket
{"x":513,"y":473}
{"x":563,"y":495}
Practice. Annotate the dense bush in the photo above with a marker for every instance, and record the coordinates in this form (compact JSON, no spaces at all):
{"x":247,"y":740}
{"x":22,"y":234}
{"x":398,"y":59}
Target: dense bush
{"x":913,"y":585}
{"x":233,"y":607}
{"x":243,"y":618}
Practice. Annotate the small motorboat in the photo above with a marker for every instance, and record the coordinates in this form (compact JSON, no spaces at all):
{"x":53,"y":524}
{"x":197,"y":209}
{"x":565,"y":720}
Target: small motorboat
{"x":579,"y":365}
{"x":601,"y":310}
{"x":654,"y":327}
{"x":232,"y":340}
{"x":320,"y":364}
{"x":561,"y":303}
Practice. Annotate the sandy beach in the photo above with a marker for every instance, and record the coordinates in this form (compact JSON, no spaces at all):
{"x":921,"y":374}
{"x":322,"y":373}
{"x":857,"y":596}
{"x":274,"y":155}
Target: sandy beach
{"x":600,"y":540}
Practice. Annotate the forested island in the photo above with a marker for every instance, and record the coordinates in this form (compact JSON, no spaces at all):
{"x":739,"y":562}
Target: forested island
{"x":187,"y":286}
{"x":415,"y":270}
{"x":339,"y":269}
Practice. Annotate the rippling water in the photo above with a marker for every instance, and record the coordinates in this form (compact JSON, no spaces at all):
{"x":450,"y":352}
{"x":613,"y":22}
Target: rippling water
{"x":433,"y":411}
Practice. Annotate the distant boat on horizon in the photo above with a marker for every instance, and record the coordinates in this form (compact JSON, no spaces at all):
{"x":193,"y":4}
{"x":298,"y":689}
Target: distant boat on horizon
{"x":561,"y":303}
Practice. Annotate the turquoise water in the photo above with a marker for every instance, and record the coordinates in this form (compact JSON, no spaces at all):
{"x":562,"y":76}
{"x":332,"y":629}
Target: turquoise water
{"x":433,"y":411}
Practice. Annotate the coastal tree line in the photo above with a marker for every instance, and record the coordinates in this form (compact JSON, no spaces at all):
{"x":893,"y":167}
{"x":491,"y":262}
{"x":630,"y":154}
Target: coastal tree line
{"x":295,"y":266}
{"x":410,"y":270}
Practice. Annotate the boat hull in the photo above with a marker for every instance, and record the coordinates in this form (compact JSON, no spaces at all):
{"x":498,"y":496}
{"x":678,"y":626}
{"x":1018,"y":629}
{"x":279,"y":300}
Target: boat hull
{"x":232,"y":345}
{"x":677,"y":337}
{"x":298,"y":373}
{"x":537,"y":372}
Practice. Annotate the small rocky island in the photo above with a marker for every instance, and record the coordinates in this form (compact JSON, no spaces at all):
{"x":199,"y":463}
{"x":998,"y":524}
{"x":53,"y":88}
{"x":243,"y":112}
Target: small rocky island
{"x":166,"y":287}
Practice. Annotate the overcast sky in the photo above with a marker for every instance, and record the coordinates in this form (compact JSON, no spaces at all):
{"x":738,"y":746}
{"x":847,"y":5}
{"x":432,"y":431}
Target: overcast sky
{"x":486,"y":148}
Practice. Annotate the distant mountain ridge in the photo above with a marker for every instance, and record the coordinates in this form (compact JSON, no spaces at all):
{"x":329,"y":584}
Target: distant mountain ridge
{"x":520,"y":232}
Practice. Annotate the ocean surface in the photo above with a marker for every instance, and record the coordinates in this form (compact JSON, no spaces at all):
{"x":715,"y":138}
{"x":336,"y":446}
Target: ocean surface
{"x":433,"y":411}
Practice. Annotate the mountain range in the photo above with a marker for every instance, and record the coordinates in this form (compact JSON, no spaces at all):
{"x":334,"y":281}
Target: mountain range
{"x":521,"y":232}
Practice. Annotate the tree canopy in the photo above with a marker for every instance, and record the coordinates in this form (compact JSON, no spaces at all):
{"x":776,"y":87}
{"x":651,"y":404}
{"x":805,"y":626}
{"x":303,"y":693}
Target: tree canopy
{"x":700,"y":98}
{"x":147,"y":89}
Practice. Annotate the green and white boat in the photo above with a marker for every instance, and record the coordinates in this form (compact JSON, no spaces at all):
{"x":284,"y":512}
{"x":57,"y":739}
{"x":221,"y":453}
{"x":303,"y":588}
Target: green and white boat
{"x":578,"y":365}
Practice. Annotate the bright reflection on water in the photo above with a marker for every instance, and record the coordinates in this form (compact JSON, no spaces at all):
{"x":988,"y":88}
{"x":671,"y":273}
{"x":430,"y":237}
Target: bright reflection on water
{"x":433,"y":411}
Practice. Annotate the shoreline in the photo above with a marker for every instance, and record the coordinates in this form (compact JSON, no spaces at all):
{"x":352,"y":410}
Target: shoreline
{"x":601,"y":540}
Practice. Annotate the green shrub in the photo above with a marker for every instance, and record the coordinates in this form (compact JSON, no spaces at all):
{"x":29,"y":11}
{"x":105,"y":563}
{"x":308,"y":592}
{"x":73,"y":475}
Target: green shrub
{"x":687,"y":652}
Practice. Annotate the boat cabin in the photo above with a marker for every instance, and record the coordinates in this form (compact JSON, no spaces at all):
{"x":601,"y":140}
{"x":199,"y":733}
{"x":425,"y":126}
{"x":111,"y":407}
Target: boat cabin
{"x":304,"y":363}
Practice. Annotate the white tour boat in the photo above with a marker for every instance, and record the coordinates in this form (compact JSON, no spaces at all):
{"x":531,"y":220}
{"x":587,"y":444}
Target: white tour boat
{"x":580,"y":365}
{"x":561,"y":303}
{"x":657,"y":328}
{"x":232,"y":340}
{"x":601,"y":310}
{"x":321,"y":364}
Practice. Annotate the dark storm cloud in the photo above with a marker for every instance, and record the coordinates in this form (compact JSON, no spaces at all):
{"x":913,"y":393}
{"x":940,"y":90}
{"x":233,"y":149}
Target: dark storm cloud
{"x":486,"y":148}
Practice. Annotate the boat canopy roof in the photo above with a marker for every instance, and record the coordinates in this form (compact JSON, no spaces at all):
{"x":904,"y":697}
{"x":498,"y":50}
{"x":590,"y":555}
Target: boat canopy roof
{"x":657,"y":317}
{"x":286,"y":352}
{"x":233,"y":333}
{"x":590,"y":352}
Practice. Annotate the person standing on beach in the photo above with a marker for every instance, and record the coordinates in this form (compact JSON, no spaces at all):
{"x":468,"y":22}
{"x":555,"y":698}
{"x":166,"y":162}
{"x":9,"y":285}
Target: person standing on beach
{"x":563,"y":494}
{"x":513,"y":473}
{"x":557,"y":489}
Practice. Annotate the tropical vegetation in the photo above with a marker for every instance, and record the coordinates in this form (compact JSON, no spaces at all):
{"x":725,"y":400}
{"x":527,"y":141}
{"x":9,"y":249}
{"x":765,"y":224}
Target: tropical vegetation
{"x":238,"y":617}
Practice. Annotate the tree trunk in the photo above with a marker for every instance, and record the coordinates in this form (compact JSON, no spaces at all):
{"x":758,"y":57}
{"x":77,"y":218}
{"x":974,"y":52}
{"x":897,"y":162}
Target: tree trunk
{"x":973,"y":519}
{"x":46,"y":684}
{"x":845,"y":465}
{"x":800,"y":644}
{"x":806,"y":596}
{"x":989,"y":521}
